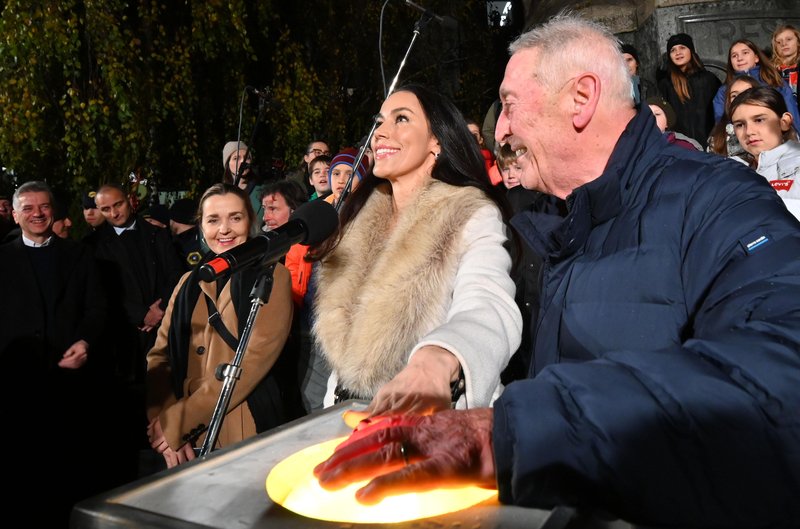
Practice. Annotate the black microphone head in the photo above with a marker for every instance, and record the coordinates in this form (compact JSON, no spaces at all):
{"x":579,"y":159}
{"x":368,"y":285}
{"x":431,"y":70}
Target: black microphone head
{"x":320,"y":220}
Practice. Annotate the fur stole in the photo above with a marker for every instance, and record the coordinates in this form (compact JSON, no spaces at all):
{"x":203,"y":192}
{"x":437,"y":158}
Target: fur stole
{"x":381,"y":291}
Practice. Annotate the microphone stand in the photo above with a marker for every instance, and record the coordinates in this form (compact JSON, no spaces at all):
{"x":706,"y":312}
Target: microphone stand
{"x":262,"y":107}
{"x":426,"y":17}
{"x":229,"y":373}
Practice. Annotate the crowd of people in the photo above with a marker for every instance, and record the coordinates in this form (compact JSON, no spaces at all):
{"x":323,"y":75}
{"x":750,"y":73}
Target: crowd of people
{"x":584,"y":309}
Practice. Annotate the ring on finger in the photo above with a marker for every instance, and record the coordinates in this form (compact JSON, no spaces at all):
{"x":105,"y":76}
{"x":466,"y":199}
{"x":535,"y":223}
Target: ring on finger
{"x":404,"y":452}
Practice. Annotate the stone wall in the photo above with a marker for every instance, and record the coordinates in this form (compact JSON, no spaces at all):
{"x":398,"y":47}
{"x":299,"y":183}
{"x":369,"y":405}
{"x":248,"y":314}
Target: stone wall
{"x":713,"y":25}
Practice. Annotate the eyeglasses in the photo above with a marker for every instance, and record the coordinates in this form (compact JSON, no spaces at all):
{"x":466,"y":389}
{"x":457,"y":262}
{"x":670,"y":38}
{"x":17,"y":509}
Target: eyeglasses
{"x":319,"y":152}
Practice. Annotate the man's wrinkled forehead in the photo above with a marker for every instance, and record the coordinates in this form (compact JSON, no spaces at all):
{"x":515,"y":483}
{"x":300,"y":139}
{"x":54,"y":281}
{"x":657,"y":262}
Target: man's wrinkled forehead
{"x":520,"y":72}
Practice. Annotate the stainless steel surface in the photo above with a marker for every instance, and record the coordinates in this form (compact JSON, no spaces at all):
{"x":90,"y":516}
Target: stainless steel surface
{"x":227,"y":490}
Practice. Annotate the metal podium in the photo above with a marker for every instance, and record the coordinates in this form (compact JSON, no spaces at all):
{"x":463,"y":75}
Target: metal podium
{"x":227,"y":490}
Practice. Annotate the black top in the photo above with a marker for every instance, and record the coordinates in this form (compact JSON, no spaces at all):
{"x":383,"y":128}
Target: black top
{"x":695,"y":118}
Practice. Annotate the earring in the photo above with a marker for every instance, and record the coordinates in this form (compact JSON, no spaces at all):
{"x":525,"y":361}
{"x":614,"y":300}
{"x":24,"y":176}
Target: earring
{"x":436,"y":155}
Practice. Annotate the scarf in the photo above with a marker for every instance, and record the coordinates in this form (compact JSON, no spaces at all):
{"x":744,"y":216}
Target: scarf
{"x":265,"y":402}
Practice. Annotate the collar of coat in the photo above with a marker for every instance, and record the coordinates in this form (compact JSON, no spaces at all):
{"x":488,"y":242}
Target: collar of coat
{"x":600,"y":200}
{"x":382,"y":290}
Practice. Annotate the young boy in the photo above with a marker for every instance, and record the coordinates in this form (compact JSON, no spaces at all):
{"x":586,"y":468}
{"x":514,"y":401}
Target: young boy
{"x":318,"y":176}
{"x":508,"y":167}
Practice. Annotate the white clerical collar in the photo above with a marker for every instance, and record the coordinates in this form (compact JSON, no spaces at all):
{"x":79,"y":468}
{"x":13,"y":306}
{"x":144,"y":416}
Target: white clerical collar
{"x":33,"y":244}
{"x":126,"y":228}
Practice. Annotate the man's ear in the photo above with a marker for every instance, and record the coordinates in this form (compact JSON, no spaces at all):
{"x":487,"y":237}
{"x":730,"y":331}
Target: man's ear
{"x":585,"y":96}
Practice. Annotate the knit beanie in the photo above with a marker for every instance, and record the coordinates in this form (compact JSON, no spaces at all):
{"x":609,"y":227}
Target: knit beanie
{"x":669,"y":112}
{"x":230,"y":148}
{"x":629,"y":49}
{"x":680,"y":38}
{"x":347,"y":157}
{"x":184,"y":211}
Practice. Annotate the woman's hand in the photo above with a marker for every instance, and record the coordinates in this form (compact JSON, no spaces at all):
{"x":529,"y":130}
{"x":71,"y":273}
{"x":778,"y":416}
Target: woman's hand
{"x":421,"y":388}
{"x":159,"y":443}
{"x":176,"y":457}
{"x":156,"y":436}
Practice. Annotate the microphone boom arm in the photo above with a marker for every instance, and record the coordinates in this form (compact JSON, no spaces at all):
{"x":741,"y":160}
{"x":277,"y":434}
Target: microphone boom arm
{"x":426,"y":17}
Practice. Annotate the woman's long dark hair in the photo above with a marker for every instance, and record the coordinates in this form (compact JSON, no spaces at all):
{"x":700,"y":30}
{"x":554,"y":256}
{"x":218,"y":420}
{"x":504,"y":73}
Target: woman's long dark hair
{"x":460,"y":162}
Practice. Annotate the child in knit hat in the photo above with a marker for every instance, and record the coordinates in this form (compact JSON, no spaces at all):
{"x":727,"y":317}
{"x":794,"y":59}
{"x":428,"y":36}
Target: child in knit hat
{"x":236,"y":157}
{"x":689,"y":88}
{"x":340,"y":171}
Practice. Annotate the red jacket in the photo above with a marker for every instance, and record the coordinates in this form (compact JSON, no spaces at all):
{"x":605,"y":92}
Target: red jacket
{"x":300,"y":269}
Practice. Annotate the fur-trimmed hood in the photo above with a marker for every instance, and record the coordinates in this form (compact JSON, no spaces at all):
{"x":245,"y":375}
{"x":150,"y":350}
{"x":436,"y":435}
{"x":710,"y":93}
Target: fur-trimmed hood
{"x":381,"y":291}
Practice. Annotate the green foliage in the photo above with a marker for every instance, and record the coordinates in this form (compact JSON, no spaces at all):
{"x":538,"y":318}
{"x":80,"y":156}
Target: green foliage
{"x":92,"y":90}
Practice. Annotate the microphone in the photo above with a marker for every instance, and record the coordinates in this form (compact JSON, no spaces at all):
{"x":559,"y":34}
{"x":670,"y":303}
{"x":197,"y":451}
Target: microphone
{"x":260,"y":93}
{"x":446,"y":22}
{"x":310,"y":224}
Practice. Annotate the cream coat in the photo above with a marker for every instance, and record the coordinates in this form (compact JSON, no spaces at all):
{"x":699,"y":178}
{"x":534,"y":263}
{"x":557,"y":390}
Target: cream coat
{"x":206,"y":351}
{"x":439,"y":278}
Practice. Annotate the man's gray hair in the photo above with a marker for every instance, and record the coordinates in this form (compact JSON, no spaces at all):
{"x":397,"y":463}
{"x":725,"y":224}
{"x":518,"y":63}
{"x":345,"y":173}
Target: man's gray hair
{"x":34,"y":186}
{"x":569,"y":45}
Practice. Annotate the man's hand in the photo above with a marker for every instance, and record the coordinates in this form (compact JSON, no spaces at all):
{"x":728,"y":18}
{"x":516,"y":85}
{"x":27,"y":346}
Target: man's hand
{"x":75,"y":356}
{"x":153,"y":316}
{"x":421,"y":388}
{"x":423,"y":453}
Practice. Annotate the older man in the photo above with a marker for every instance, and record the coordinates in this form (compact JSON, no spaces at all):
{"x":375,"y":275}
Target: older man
{"x":665,"y":386}
{"x":52,"y":314}
{"x":64,"y":308}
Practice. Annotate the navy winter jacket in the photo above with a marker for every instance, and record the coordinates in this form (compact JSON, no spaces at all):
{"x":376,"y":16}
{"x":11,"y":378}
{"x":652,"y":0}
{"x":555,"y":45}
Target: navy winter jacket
{"x":666,"y":377}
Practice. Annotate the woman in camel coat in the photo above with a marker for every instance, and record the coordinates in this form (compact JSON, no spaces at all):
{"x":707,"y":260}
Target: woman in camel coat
{"x":182,"y":390}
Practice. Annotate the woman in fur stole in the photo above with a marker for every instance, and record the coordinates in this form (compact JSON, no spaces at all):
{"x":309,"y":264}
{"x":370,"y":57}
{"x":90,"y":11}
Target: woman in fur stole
{"x":415,"y":308}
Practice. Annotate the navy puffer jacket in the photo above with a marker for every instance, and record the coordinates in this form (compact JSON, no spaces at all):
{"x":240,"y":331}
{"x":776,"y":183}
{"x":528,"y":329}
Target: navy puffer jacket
{"x":666,"y":380}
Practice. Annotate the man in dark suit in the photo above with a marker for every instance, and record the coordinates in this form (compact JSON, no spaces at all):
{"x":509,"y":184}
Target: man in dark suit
{"x":141,"y":267}
{"x":52,"y":313}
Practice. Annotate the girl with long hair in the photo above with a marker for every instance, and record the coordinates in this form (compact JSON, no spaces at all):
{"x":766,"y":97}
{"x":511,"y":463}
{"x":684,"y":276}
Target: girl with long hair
{"x":786,"y":54}
{"x":722,"y":139}
{"x":745,"y":58}
{"x":689,"y":89}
